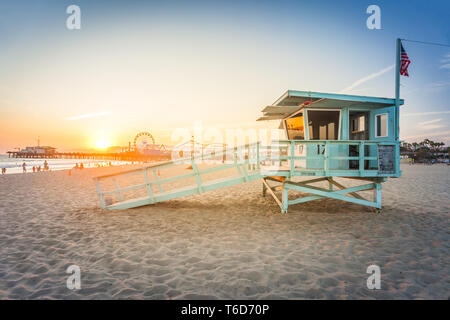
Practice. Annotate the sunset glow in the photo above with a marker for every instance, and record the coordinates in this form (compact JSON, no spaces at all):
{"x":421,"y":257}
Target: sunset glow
{"x":102,"y":143}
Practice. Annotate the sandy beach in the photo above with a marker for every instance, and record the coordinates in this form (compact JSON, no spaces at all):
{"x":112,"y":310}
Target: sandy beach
{"x":225,"y":244}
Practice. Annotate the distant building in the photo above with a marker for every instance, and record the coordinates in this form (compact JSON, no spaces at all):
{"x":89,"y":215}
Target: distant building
{"x":39,"y":150}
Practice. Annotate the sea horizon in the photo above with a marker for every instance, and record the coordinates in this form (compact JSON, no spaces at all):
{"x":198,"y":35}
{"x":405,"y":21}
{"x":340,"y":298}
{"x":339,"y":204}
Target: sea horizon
{"x":14,"y":165}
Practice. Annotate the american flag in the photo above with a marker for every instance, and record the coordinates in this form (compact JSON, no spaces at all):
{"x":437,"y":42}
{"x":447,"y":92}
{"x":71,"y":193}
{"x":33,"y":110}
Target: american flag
{"x":404,"y":62}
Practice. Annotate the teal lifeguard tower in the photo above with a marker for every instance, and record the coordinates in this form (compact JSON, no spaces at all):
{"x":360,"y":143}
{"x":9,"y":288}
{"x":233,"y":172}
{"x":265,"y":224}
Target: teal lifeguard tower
{"x":327,"y":135}
{"x":334,"y":135}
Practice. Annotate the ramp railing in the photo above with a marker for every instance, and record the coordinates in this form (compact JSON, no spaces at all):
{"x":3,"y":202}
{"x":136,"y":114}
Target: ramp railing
{"x":146,"y":185}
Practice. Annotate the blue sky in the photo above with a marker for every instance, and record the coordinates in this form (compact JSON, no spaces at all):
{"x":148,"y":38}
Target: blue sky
{"x":158,"y":65}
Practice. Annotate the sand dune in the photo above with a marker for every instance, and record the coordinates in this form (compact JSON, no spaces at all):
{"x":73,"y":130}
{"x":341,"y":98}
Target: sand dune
{"x":225,"y":244}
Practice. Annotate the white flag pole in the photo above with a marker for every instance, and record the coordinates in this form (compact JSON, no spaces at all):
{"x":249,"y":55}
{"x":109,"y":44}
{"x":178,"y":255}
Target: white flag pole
{"x":397,"y":89}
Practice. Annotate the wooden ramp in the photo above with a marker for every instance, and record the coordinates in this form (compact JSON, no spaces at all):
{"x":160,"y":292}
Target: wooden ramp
{"x":148,"y":186}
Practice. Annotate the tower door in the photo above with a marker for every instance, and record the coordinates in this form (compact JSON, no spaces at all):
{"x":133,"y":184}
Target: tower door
{"x":323,"y":124}
{"x":358,"y":130}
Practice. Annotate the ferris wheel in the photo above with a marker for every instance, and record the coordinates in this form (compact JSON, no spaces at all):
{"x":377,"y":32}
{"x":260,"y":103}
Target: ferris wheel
{"x":143,"y":141}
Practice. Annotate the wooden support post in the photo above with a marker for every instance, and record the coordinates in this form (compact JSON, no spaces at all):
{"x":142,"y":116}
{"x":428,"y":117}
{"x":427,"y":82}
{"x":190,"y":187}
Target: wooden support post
{"x":118,"y":189}
{"x":198,"y":179}
{"x":378,"y":195}
{"x":148,"y":186}
{"x":243,"y":164}
{"x":292,"y":158}
{"x":361,"y":158}
{"x":268,"y":188}
{"x":247,"y":158}
{"x":155,"y":174}
{"x":224,"y":153}
{"x":100,"y":194}
{"x":257,"y":155}
{"x":252,"y":157}
{"x":238,"y":167}
{"x":285,"y":204}
{"x":245,"y":172}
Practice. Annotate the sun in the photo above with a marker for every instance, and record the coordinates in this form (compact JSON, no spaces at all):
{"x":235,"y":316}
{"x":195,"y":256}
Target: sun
{"x":102,"y":143}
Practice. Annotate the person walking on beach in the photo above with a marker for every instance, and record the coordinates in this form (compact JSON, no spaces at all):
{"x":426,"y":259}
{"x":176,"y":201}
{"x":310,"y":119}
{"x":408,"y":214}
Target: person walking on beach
{"x":24,"y":167}
{"x":3,"y":170}
{"x":45,"y":165}
{"x":34,"y":169}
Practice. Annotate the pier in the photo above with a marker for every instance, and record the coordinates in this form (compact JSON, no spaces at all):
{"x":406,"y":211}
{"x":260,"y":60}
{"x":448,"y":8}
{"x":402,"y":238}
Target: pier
{"x":119,"y":156}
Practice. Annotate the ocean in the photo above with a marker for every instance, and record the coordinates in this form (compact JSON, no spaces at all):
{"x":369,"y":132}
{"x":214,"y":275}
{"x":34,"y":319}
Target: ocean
{"x":14,"y":165}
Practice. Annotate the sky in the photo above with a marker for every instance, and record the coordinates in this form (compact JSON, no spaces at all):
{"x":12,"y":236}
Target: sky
{"x":160,"y":65}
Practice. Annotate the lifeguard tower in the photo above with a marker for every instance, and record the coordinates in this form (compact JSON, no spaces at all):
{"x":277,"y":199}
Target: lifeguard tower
{"x":327,"y":135}
{"x":334,"y":135}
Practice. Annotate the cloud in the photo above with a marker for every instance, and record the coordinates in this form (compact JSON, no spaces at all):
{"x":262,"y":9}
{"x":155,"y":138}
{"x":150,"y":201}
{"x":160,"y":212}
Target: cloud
{"x":367,"y":78}
{"x":424,"y":113}
{"x":446,"y":58}
{"x":366,"y":89}
{"x":89,"y":115}
{"x":446,"y":62}
{"x":431,"y":124}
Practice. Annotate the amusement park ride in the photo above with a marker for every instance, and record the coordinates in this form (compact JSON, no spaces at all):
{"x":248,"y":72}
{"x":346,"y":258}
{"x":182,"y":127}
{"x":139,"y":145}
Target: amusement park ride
{"x":141,"y":144}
